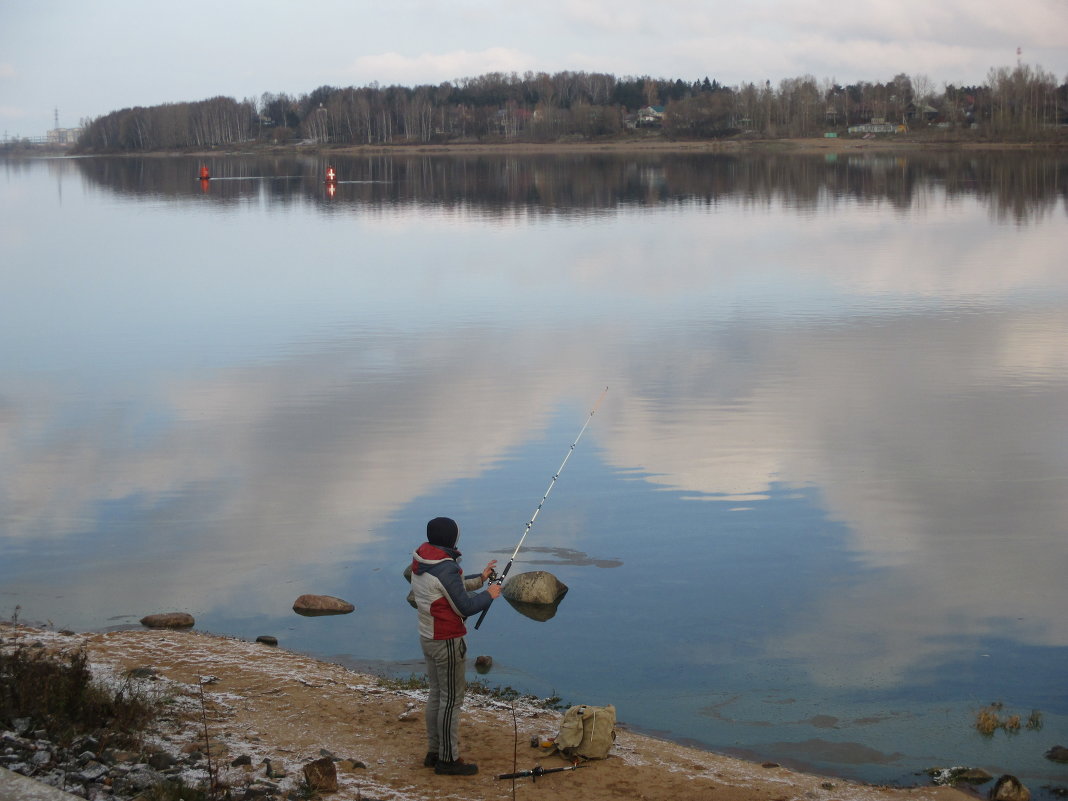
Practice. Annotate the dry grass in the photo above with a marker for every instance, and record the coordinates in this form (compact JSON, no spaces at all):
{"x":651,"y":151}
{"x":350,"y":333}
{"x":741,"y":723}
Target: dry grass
{"x":57,"y":693}
{"x":988,"y":721}
{"x":990,"y":718}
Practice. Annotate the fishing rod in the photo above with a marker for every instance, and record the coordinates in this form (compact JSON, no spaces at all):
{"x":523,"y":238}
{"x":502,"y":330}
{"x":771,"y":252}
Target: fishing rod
{"x":536,"y":772}
{"x":499,"y":578}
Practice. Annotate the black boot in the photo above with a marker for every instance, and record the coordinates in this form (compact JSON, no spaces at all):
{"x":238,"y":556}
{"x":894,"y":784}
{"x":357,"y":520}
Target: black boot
{"x":455,"y":768}
{"x":431,"y":760}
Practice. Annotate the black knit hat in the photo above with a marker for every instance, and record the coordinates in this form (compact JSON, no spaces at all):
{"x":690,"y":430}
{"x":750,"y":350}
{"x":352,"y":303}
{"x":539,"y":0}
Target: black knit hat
{"x":442,"y":531}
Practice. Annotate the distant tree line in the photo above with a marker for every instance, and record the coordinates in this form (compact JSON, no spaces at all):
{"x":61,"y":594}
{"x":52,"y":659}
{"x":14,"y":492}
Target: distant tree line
{"x":539,"y":107}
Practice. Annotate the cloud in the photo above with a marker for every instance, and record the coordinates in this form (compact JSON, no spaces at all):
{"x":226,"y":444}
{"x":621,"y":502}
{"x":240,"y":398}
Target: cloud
{"x":606,"y":18}
{"x":393,"y":67}
{"x":12,"y":113}
{"x":257,"y":445}
{"x":922,"y":494}
{"x":953,"y":41}
{"x":7,"y":71}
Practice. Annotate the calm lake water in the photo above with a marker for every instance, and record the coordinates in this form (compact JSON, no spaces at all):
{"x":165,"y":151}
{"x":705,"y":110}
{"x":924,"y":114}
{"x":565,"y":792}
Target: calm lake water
{"x":821,"y":516}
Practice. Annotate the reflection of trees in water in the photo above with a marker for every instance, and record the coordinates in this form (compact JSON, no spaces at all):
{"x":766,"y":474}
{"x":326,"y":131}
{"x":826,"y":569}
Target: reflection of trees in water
{"x":1025,"y":193}
{"x":233,"y":179}
{"x":1017,"y":186}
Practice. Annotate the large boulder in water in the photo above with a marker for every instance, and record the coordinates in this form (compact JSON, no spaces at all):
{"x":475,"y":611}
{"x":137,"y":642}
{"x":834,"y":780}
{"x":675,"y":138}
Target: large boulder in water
{"x":311,"y":605}
{"x":536,"y":587}
{"x":1057,"y":754}
{"x":539,"y":612}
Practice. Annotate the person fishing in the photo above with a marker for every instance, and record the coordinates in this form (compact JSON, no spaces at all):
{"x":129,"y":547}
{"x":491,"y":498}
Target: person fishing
{"x":445,"y":597}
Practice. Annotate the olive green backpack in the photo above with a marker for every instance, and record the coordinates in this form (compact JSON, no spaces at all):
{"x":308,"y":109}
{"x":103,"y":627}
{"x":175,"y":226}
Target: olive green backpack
{"x":587,"y":732}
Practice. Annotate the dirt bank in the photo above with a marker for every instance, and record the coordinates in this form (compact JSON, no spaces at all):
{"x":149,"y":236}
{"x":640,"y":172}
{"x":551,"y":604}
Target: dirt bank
{"x":268,"y":703}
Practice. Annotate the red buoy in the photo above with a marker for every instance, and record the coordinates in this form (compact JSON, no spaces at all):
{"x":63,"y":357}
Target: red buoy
{"x":331,"y":175}
{"x":204,"y":173}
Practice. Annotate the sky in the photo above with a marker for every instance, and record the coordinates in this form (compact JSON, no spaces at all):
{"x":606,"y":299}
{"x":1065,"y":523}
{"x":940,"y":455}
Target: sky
{"x":86,"y":59}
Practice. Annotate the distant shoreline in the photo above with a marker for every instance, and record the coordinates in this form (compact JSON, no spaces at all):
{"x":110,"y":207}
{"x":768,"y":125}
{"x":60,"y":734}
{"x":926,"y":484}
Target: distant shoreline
{"x":660,"y":145}
{"x":617,"y":146}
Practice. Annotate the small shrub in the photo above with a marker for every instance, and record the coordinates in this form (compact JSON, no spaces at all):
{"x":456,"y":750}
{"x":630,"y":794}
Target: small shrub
{"x":58,"y":693}
{"x":554,"y":702}
{"x":413,"y":682}
{"x":989,"y":719}
{"x":500,"y":693}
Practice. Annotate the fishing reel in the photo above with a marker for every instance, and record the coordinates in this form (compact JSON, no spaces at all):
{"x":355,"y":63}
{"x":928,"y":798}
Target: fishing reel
{"x":494,"y":577}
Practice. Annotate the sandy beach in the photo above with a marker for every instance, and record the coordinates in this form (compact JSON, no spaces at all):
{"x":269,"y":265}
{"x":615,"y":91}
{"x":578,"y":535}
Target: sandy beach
{"x":263,"y":702}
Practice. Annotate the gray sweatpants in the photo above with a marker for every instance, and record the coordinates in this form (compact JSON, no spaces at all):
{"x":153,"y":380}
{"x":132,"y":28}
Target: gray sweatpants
{"x":446,"y":669}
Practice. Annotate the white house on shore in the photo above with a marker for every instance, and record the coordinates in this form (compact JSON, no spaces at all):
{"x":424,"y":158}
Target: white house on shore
{"x":877,"y":126}
{"x":651,"y":116}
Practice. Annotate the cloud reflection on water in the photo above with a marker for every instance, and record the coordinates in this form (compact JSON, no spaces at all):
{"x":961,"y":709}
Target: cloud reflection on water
{"x":299,"y":462}
{"x":897,"y":367}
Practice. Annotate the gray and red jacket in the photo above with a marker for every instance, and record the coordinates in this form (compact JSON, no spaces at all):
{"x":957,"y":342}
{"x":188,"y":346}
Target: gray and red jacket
{"x":442,"y":594}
